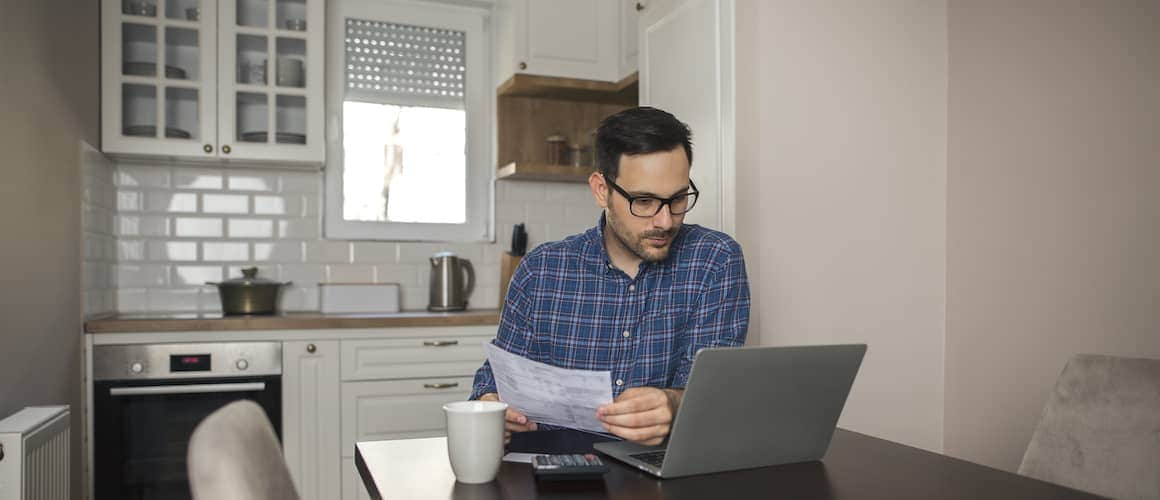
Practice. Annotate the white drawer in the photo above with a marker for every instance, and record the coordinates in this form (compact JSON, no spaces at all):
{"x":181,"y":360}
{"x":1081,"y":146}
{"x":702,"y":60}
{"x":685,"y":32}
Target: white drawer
{"x":381,"y":359}
{"x":397,"y":409}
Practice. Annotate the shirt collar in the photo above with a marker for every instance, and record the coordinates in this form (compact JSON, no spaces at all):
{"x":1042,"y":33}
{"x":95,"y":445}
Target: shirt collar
{"x":596,"y":256}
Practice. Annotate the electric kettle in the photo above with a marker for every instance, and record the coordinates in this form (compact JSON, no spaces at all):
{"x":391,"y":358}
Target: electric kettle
{"x":452,"y":280}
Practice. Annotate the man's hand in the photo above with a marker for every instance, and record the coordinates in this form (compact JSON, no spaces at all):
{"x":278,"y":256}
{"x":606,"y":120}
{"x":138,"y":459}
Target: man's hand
{"x":642,"y":415}
{"x":514,"y":421}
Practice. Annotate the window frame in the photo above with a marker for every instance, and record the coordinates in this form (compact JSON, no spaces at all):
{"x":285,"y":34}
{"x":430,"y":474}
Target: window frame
{"x":479,"y":225}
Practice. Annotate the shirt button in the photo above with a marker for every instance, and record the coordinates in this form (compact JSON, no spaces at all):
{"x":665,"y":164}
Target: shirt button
{"x":626,"y":334}
{"x":619,"y":382}
{"x":610,"y":266}
{"x":632,"y":288}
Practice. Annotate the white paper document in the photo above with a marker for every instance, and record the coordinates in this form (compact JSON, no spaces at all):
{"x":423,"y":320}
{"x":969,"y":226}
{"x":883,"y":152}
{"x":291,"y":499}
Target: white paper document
{"x":548,"y":394}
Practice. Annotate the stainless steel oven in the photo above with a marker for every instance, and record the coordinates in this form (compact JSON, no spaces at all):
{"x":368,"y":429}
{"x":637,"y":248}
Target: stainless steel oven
{"x":147,"y":399}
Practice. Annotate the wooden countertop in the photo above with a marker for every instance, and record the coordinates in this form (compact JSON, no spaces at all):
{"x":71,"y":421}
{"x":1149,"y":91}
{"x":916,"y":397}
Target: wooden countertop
{"x":184,"y":322}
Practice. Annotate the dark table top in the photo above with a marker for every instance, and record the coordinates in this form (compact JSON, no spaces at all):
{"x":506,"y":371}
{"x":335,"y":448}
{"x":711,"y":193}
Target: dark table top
{"x":856,"y":466}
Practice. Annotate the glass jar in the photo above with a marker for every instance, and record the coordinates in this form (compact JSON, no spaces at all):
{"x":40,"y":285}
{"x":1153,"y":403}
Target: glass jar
{"x":557,"y":150}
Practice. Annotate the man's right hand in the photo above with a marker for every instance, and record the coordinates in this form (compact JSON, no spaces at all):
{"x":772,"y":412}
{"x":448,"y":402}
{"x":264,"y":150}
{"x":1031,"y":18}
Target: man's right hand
{"x":514,"y":421}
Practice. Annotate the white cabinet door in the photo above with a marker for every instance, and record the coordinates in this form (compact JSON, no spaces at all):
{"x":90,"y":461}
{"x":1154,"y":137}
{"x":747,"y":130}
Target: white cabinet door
{"x":159,"y":78}
{"x":453,"y":354}
{"x":629,"y":26}
{"x":562,"y":38}
{"x":397,"y":409}
{"x":686,"y":68}
{"x":270,"y":83}
{"x":310,"y":416}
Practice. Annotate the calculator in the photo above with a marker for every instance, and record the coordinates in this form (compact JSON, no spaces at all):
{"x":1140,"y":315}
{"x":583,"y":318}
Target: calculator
{"x":580,"y":466}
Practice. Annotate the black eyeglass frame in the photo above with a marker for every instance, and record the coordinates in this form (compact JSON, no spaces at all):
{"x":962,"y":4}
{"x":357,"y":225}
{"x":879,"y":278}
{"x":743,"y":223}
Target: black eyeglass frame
{"x":693,"y":191}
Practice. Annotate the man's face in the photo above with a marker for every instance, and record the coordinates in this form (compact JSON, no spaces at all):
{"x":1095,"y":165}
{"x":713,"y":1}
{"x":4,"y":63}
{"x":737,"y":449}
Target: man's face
{"x":662,"y":175}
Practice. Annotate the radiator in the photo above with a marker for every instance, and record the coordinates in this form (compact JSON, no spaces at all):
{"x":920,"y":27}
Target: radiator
{"x":34,"y":454}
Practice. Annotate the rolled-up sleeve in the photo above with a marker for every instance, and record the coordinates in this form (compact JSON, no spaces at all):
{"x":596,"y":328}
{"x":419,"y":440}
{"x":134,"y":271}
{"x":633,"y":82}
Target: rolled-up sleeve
{"x":722,"y":317}
{"x":514,"y":324}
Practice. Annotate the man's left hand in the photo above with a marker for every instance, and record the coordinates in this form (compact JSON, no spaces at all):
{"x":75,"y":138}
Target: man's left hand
{"x":642,"y":415}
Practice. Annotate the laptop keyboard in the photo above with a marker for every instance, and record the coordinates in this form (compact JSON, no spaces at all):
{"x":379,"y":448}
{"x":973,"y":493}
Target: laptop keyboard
{"x":654,"y":458}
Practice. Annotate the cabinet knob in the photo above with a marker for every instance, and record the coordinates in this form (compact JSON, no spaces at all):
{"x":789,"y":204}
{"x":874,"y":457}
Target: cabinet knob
{"x":207,"y":148}
{"x":441,"y":385}
{"x":310,"y":348}
{"x":226,"y":149}
{"x":523,"y":65}
{"x":639,"y":6}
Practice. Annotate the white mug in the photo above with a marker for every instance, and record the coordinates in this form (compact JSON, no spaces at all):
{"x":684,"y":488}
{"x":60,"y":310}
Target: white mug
{"x":475,"y":439}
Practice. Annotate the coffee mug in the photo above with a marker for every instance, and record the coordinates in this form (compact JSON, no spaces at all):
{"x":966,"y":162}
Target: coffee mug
{"x":291,"y":72}
{"x":475,"y":439}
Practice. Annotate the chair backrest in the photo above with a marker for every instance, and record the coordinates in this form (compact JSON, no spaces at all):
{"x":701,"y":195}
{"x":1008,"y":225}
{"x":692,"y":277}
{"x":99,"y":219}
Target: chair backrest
{"x":234,"y":455}
{"x":1100,"y":430}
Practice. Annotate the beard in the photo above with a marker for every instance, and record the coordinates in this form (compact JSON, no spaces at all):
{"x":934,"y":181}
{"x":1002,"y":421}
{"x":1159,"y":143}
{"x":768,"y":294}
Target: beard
{"x":641,"y":245}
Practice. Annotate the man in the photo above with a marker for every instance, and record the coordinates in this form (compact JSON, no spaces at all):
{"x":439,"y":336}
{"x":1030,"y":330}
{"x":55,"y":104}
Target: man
{"x":639,"y":294}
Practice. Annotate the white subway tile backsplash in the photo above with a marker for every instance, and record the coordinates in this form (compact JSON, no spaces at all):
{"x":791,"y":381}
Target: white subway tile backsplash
{"x":418,"y":253}
{"x":252,"y":182}
{"x":311,"y":204}
{"x":566,"y":192}
{"x":546,"y":214}
{"x":299,"y":298}
{"x":350,"y":273}
{"x":304,"y":228}
{"x":251,"y":228}
{"x":144,"y":275}
{"x":132,"y":300}
{"x":170,"y":202}
{"x":303,"y":274}
{"x":278,"y":205}
{"x":373,"y":252}
{"x":184,"y":178}
{"x":174,"y":300}
{"x":195,"y":275}
{"x":267,"y":271}
{"x":414,"y":298}
{"x":278,"y":252}
{"x":328,"y":252}
{"x":142,"y":176}
{"x":197,"y":227}
{"x":176,"y":251}
{"x":213,"y":203}
{"x":394,"y":273}
{"x":225,"y":251}
{"x":301,"y":182}
{"x":129,"y":201}
{"x":142,"y":225}
{"x":128,"y":250}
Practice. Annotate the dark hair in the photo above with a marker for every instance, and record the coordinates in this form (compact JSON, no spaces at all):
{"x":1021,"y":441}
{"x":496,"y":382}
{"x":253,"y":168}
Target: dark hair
{"x":637,"y":131}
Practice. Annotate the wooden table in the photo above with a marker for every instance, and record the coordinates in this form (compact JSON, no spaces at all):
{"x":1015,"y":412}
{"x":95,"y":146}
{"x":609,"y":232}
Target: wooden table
{"x":856,"y":466}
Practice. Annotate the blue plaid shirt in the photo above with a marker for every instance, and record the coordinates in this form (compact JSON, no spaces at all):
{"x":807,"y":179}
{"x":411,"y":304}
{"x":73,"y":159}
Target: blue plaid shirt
{"x":568,"y":306}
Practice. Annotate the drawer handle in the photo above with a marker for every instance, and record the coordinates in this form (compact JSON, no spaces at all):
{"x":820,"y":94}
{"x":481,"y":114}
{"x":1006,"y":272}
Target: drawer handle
{"x":442,"y":385}
{"x":440,"y":343}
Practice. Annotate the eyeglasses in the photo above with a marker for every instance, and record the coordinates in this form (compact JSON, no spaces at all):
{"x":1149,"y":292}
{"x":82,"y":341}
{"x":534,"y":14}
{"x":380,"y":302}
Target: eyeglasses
{"x":648,"y":206}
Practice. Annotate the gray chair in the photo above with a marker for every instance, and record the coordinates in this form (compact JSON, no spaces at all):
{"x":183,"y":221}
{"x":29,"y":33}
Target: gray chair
{"x":234,"y":455}
{"x":1100,"y":430}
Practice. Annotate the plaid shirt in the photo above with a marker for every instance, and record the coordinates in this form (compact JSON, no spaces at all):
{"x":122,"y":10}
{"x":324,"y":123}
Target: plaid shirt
{"x":568,"y":306}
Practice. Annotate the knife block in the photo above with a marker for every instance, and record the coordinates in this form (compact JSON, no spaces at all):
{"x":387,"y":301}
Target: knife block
{"x":507,"y":267}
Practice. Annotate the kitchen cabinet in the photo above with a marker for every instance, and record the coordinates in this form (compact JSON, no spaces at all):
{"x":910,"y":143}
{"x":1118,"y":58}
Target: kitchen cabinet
{"x":686,"y":68}
{"x":310,"y":416}
{"x":560,"y":38}
{"x":213,"y":80}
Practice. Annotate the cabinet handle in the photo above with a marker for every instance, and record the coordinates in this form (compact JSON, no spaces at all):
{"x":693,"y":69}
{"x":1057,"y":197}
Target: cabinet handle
{"x":207,"y":148}
{"x":226,"y":149}
{"x":310,"y":348}
{"x":523,"y":65}
{"x":440,"y":343}
{"x":639,"y":6}
{"x":441,"y":385}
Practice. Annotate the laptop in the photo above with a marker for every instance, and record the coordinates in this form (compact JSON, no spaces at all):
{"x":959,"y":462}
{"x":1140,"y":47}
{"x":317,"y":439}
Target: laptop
{"x":751,"y":407}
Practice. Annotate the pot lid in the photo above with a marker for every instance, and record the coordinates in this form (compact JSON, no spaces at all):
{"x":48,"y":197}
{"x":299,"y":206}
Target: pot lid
{"x":249,"y":278}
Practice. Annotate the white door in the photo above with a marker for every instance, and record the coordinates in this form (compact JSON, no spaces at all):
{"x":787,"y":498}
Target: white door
{"x":310,"y":416}
{"x":686,"y":68}
{"x":570,"y":39}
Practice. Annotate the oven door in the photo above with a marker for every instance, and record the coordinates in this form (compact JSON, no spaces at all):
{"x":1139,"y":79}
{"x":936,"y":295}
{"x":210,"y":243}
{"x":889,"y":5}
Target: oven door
{"x":142,"y":429}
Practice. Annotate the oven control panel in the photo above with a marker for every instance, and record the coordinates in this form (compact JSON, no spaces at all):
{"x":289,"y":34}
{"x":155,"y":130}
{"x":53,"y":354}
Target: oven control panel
{"x":163,"y":361}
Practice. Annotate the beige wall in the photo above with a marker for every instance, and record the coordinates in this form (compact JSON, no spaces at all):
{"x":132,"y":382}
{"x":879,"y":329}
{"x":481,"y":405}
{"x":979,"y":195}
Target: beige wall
{"x":48,"y":104}
{"x":1053,"y":206}
{"x":842,"y":174}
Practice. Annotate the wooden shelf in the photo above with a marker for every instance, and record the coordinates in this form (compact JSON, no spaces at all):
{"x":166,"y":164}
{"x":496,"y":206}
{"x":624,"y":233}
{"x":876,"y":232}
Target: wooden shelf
{"x":531,"y":171}
{"x":623,"y":92}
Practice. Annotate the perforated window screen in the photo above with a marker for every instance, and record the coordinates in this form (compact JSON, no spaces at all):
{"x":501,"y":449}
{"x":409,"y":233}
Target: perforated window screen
{"x":404,"y":64}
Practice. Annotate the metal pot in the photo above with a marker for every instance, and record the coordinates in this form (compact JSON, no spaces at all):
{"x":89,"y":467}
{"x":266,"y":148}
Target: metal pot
{"x":249,"y":294}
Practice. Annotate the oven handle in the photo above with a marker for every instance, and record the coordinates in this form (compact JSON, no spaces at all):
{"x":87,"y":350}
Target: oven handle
{"x":187,"y":389}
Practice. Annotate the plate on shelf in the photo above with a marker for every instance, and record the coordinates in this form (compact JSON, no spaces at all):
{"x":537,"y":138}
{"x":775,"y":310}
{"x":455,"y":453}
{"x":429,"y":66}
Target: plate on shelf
{"x":280,"y":137}
{"x":151,"y":131}
{"x":150,"y":69}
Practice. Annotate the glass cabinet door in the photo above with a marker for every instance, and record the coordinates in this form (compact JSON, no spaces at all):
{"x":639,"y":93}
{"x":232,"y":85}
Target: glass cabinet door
{"x":271,"y":82}
{"x":158,"y":77}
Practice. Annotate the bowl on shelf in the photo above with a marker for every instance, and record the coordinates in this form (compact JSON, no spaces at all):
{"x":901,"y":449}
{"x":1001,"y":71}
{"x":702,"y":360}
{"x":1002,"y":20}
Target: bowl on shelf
{"x":296,"y":24}
{"x":151,"y":131}
{"x":134,"y":68}
{"x":139,"y":8}
{"x":280,"y":137}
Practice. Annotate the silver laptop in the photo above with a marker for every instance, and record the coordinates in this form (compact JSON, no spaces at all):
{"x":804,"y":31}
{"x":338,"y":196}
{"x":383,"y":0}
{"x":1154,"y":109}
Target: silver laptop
{"x":751,"y":407}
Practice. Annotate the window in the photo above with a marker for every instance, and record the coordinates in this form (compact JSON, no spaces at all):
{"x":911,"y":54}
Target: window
{"x":407,"y":85}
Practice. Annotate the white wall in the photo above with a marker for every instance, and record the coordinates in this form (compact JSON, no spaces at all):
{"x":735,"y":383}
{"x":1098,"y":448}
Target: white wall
{"x":842,"y":172}
{"x":178,"y":227}
{"x":1053,"y":207}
